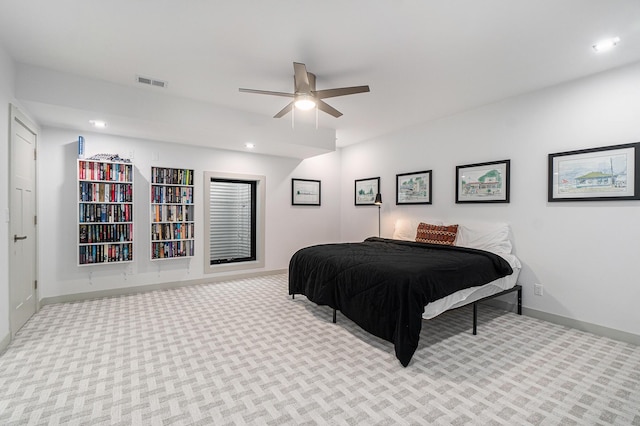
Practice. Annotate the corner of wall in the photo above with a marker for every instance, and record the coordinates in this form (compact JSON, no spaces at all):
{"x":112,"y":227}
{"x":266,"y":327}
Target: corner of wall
{"x":4,"y":343}
{"x":7,"y":96}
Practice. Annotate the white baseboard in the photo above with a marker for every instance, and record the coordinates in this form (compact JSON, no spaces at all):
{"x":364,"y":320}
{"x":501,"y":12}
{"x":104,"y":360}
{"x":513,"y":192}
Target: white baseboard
{"x":599,"y":330}
{"x":77,"y":297}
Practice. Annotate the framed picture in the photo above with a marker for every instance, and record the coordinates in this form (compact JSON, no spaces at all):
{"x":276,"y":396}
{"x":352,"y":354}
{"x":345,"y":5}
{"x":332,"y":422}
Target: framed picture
{"x":597,"y":174}
{"x":483,"y":182}
{"x":366,"y":190}
{"x":305,"y":192}
{"x":413,"y":188}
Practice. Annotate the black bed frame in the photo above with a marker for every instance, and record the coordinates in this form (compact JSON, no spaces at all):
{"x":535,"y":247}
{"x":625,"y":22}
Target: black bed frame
{"x":516,"y":287}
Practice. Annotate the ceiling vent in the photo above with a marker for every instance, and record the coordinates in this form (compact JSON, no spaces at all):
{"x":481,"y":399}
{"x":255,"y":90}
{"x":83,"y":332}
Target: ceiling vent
{"x":151,"y":81}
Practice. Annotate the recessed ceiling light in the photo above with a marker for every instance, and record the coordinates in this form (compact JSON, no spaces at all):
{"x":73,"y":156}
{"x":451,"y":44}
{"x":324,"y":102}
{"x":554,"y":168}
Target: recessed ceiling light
{"x":99,"y":124}
{"x":604,"y":45}
{"x":249,"y":145}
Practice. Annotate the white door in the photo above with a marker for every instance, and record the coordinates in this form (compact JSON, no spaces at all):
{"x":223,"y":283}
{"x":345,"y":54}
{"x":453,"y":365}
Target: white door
{"x":22,"y":225}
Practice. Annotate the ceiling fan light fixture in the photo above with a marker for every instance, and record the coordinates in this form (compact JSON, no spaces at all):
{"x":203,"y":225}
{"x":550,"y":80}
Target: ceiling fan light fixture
{"x":305,"y":103}
{"x":306,"y":97}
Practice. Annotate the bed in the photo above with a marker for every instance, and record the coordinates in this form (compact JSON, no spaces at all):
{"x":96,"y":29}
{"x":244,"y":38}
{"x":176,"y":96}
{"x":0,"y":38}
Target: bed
{"x":388,"y":286}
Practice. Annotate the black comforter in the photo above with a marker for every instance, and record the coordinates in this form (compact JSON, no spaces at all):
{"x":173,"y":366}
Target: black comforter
{"x":383,"y":285}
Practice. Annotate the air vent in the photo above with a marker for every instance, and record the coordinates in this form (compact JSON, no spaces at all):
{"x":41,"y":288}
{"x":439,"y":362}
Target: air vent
{"x":151,"y":81}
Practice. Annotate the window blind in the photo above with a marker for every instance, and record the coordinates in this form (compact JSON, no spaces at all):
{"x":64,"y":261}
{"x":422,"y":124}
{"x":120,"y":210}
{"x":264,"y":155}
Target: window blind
{"x":232,"y":221}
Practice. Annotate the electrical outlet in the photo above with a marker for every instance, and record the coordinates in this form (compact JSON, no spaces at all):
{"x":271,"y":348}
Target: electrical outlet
{"x":538,"y":289}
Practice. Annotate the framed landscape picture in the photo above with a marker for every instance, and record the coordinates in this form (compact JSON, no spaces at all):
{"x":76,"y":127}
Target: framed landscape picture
{"x":305,"y":192}
{"x":483,"y":182}
{"x":596,"y":174}
{"x":366,"y":190}
{"x":413,"y":188}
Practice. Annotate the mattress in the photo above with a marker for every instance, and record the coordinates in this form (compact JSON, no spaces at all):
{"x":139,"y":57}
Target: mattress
{"x":383,"y":285}
{"x":490,"y":236}
{"x":470,"y":295}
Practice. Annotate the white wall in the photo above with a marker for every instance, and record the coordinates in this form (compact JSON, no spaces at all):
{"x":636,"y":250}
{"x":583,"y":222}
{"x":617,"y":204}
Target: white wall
{"x":584,"y":253}
{"x":288,"y":227}
{"x":7,"y":78}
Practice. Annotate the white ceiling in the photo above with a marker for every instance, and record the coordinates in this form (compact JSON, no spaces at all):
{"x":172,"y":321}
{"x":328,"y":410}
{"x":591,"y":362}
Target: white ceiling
{"x":423,"y":59}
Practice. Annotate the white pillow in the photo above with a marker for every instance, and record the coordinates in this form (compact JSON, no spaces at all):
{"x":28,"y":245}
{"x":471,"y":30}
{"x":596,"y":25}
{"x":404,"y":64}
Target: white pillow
{"x":406,"y":229}
{"x":489,"y":236}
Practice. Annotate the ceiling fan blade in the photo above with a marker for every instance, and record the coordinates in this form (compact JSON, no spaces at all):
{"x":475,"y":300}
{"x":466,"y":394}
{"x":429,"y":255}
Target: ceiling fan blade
{"x":284,"y":111}
{"x":301,"y":78}
{"x":322,"y":106}
{"x":267,"y":92}
{"x":332,"y":93}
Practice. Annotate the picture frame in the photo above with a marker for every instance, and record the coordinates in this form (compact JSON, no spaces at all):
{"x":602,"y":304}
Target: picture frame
{"x":305,"y":192}
{"x":597,"y":174}
{"x":366,"y":190}
{"x":483,"y":182}
{"x":413,"y":188}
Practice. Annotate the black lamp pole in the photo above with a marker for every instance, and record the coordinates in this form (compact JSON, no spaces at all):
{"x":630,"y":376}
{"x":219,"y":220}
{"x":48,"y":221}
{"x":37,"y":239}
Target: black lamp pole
{"x":378,"y":202}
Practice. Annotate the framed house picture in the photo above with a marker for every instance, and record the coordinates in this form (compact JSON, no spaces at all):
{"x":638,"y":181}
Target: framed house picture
{"x":305,"y":192}
{"x":483,"y":182}
{"x":366,"y":190}
{"x":413,"y":188}
{"x":596,"y":174}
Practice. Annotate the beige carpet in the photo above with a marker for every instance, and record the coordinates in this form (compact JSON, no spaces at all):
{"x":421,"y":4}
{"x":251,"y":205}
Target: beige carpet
{"x":243,"y":352}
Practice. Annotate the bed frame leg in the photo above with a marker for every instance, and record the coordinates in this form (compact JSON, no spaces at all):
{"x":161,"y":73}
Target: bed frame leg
{"x":517,"y":288}
{"x":334,"y":316}
{"x":475,"y":319}
{"x":293,"y":296}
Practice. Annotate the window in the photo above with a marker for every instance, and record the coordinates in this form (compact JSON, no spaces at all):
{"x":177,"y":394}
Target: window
{"x":234,"y":221}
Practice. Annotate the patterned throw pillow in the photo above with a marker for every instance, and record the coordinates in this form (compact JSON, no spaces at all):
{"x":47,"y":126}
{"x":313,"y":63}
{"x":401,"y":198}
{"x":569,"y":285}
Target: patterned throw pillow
{"x":435,"y":234}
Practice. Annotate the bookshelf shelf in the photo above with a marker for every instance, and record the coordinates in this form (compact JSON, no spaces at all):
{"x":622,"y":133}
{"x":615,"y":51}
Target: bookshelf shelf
{"x":105,"y":212}
{"x":172,"y":213}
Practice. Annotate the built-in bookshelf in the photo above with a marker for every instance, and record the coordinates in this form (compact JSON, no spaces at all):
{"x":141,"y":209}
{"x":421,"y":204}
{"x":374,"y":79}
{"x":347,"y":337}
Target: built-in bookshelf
{"x":172,"y":210}
{"x":105,"y":212}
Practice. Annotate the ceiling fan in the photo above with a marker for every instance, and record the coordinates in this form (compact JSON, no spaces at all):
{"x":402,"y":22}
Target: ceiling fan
{"x":306,"y":96}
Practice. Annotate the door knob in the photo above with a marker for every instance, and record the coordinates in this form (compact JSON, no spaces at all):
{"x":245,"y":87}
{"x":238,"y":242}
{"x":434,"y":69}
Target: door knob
{"x":16,"y":238}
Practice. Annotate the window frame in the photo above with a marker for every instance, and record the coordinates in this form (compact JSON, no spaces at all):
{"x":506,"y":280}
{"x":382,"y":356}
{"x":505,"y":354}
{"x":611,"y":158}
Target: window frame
{"x":260,"y":194}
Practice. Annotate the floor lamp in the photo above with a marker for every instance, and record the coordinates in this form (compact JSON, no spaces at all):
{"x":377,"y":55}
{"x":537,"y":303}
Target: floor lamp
{"x":378,"y":202}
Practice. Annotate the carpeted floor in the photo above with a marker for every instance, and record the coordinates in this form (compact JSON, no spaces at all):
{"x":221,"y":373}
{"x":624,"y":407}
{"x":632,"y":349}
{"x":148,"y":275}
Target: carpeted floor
{"x":243,"y":352}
